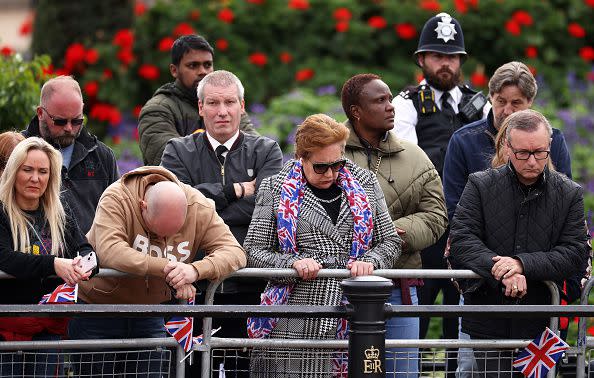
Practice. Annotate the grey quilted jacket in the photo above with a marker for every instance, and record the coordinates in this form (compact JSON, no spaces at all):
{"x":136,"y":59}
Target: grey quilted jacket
{"x":542,"y":226}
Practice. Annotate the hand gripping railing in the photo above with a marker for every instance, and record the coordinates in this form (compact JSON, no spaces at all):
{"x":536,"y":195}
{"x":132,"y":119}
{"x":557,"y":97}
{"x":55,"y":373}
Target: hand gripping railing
{"x":208,"y":311}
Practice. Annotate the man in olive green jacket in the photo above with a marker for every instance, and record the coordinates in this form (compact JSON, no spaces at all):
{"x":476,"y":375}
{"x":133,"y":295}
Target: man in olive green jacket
{"x":172,"y":112}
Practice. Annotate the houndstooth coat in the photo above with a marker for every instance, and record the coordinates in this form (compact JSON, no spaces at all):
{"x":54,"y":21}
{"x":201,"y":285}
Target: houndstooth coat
{"x":320,"y":239}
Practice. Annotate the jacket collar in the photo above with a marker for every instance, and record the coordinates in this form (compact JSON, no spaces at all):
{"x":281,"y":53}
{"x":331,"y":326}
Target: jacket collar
{"x":491,"y":130}
{"x":540,"y":182}
{"x":389,"y":144}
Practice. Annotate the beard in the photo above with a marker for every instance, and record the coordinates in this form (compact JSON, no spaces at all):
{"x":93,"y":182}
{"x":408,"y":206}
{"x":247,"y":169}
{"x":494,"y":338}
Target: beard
{"x":63,"y":140}
{"x":440,"y":82}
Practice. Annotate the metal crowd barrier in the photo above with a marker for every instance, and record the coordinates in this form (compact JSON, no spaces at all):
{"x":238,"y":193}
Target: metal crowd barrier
{"x":212,"y":343}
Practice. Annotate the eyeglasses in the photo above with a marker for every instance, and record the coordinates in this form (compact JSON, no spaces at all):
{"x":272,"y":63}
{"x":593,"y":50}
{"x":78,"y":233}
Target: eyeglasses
{"x":63,"y":121}
{"x":525,"y":155}
{"x":321,"y":168}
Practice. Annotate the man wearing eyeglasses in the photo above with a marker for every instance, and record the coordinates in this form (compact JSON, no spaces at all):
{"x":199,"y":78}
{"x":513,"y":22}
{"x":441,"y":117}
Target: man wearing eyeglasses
{"x":88,"y":166}
{"x":516,"y":226}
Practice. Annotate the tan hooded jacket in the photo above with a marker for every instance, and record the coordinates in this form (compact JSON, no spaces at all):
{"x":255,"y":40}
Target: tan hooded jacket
{"x":123,"y":242}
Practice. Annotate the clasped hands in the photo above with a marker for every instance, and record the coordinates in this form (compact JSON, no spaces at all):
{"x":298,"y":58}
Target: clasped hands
{"x":181,"y":276}
{"x":510,"y":272}
{"x":69,"y":271}
{"x":308,"y":268}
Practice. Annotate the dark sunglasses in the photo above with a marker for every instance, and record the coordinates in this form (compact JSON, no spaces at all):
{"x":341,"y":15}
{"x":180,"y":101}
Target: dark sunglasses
{"x":63,"y":121}
{"x":321,"y":168}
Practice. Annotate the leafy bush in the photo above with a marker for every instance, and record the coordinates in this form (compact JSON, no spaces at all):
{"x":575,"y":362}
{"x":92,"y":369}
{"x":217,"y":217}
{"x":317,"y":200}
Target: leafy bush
{"x":20,"y":85}
{"x":275,"y":46}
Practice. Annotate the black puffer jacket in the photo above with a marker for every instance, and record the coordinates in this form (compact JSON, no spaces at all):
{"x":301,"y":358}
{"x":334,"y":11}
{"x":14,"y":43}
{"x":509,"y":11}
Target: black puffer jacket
{"x":542,"y":226}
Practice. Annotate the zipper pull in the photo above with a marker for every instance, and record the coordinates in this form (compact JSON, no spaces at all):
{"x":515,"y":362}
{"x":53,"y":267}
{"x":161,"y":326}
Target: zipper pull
{"x":222,"y":170}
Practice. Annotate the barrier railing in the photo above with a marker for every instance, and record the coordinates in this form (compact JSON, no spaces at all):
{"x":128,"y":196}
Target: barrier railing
{"x":207,"y":311}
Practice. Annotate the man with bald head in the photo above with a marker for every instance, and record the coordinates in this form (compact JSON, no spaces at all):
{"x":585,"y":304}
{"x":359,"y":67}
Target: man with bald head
{"x":151,"y":225}
{"x":88,"y":165}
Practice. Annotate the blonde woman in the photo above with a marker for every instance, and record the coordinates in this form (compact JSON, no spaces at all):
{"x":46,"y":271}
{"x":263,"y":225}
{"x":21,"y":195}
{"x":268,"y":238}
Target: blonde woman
{"x":38,"y":238}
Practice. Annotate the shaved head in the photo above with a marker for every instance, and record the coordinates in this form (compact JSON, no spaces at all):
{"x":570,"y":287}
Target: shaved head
{"x":164,"y":208}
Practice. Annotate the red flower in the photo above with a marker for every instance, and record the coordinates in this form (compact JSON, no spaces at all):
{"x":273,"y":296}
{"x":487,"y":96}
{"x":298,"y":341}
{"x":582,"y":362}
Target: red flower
{"x":47,"y":70}
{"x":531,"y":52}
{"x":405,"y":30}
{"x":377,"y":22}
{"x":194,"y":14}
{"x":513,"y":27}
{"x":299,"y":4}
{"x":165,"y":44}
{"x":257,"y":2}
{"x":258,"y":59}
{"x":342,"y":14}
{"x":285,"y":57}
{"x":226,"y":15}
{"x":591,"y":330}
{"x":222,"y":44}
{"x":107,"y":74}
{"x":523,"y":18}
{"x":419,"y":77}
{"x":26,"y":26}
{"x":125,"y":56}
{"x":91,"y":88}
{"x":139,"y":8}
{"x":75,"y":54}
{"x":532,"y":70}
{"x":123,"y":38}
{"x":304,"y":74}
{"x":183,"y":28}
{"x":587,"y":53}
{"x":342,"y":26}
{"x":461,"y":6}
{"x":589,"y":3}
{"x":478,"y":79}
{"x":575,"y":30}
{"x":6,"y":51}
{"x":91,"y":56}
{"x":148,"y":72}
{"x":136,"y":111}
{"x":590,"y":76}
{"x":106,"y":113}
{"x":430,"y":5}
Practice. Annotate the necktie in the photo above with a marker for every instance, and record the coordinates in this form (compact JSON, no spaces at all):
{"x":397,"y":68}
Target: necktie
{"x":219,"y":152}
{"x":446,"y":107}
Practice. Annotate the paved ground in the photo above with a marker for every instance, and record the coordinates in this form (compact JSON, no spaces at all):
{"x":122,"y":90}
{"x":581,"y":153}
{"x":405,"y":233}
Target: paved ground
{"x":12,"y":17}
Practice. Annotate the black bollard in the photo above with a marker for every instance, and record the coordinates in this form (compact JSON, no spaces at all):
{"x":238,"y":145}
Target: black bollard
{"x":367,"y":296}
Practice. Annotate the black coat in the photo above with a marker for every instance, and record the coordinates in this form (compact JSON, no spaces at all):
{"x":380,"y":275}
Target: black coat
{"x":92,"y":169}
{"x":542,"y":226}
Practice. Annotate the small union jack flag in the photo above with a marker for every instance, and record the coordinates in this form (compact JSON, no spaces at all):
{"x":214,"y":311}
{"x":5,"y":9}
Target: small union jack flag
{"x":198,"y":340}
{"x":540,"y":355}
{"x":62,"y":294}
{"x":181,"y":329}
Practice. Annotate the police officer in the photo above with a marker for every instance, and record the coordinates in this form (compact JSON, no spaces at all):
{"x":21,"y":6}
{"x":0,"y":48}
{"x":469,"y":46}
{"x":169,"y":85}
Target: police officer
{"x":428,"y":115}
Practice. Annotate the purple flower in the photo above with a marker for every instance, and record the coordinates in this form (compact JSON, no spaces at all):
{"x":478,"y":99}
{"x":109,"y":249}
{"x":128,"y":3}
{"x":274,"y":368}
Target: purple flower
{"x":296,"y":120}
{"x":326,"y":90}
{"x":257,"y":108}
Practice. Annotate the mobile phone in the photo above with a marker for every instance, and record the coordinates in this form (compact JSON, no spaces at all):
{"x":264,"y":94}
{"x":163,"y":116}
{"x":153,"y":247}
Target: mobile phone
{"x":88,"y":262}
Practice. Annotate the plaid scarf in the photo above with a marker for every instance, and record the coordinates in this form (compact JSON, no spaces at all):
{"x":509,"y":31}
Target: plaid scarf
{"x":291,"y":197}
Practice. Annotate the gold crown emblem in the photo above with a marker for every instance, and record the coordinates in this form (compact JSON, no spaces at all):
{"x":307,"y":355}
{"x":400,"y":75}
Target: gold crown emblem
{"x":372,"y":353}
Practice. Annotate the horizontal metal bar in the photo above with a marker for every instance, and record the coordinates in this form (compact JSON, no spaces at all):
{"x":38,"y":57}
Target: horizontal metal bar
{"x":324,"y":273}
{"x":237,"y":311}
{"x":169,"y":342}
{"x":217,"y":342}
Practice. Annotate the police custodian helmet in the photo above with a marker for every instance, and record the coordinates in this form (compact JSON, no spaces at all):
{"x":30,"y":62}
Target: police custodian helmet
{"x":442,"y":34}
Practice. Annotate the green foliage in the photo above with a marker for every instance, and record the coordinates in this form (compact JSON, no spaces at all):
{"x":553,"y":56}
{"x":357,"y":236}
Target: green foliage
{"x":292,"y":39}
{"x":20,"y":84}
{"x":61,"y":23}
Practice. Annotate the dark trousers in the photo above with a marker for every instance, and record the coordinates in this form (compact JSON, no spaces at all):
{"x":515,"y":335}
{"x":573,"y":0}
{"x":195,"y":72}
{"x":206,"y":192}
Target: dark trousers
{"x":432,"y":258}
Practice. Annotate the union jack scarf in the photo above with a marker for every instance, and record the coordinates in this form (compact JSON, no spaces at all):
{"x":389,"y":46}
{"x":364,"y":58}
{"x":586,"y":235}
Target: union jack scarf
{"x":291,"y":196}
{"x":62,"y":294}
